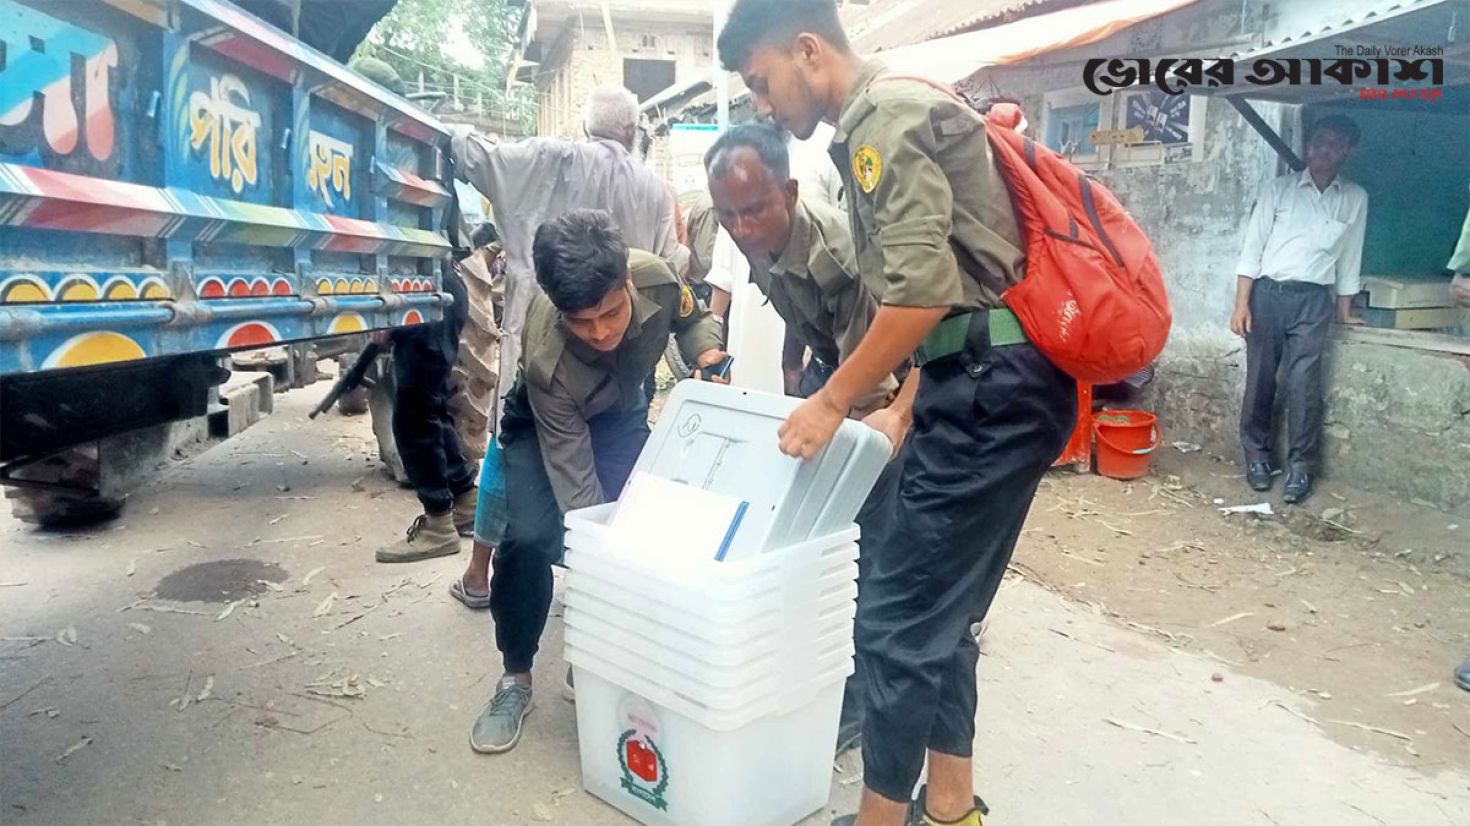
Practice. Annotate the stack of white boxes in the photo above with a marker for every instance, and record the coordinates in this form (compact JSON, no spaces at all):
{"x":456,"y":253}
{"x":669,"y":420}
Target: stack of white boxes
{"x":709,"y":692}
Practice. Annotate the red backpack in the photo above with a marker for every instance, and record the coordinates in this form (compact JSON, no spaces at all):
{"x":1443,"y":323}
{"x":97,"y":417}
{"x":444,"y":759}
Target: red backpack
{"x":1093,"y":298}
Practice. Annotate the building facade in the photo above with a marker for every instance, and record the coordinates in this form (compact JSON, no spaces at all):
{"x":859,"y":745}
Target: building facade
{"x":569,"y":47}
{"x":1398,"y":400}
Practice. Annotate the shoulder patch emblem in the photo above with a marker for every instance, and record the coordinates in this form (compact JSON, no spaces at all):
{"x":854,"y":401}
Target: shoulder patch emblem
{"x":867,"y":167}
{"x":686,"y":301}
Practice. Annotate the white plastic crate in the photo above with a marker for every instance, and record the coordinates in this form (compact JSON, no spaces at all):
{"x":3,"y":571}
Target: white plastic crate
{"x":792,"y":587}
{"x":709,"y":692}
{"x":722,"y":620}
{"x":680,"y":630}
{"x":587,"y":531}
{"x":724,"y":439}
{"x":712,"y":686}
{"x":668,"y":768}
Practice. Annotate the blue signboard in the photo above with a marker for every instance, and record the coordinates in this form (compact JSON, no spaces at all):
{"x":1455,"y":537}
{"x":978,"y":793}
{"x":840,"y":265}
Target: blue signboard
{"x":338,"y":154}
{"x":227,"y":123}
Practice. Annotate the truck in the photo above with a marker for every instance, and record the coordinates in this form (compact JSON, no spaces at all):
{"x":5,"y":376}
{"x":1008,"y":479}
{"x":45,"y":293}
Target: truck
{"x":180,"y":181}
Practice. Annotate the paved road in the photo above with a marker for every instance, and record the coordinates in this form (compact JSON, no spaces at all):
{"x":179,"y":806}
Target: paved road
{"x":1082,"y":721}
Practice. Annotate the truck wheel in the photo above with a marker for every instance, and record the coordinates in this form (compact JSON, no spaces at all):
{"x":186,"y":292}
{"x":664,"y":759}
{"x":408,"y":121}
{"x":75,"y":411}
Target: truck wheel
{"x":674,"y":360}
{"x":76,"y":467}
{"x":380,"y":404}
{"x":45,"y":509}
{"x":354,"y":403}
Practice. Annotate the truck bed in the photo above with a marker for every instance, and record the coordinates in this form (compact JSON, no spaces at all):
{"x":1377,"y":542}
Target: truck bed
{"x":177,"y":177}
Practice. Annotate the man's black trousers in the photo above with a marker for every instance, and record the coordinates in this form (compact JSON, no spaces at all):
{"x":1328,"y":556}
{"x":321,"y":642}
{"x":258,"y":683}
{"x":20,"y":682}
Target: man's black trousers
{"x":1290,"y":323}
{"x":987,"y":425}
{"x":423,"y":427}
{"x":521,"y":580}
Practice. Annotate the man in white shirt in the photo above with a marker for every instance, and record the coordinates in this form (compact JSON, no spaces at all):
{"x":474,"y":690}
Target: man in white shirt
{"x":1303,"y":246}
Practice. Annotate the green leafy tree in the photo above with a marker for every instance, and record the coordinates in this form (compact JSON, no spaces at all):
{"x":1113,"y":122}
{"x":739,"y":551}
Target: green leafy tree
{"x":453,"y":45}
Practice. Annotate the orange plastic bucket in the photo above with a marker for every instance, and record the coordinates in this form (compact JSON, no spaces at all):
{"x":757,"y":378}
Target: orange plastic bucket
{"x":1125,"y":440}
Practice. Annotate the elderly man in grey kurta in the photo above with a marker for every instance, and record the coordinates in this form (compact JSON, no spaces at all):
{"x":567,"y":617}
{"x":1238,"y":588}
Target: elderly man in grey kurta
{"x":534,"y":181}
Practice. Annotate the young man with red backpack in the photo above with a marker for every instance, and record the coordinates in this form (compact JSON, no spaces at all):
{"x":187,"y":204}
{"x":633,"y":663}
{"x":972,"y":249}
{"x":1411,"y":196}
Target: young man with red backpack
{"x":938,"y":238}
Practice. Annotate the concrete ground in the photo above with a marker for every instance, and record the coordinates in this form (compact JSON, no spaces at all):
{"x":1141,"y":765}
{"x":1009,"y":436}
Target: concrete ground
{"x":229,"y":652}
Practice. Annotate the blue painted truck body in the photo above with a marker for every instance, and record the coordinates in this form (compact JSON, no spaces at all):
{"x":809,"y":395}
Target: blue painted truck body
{"x":177,"y":178}
{"x":179,"y":181}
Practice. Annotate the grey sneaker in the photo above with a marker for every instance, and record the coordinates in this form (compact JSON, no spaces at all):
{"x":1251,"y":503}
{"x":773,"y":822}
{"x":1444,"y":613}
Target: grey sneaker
{"x":498,"y":728}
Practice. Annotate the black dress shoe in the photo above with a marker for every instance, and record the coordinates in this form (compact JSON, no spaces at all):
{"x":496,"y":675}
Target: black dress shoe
{"x":1298,"y":487}
{"x":1260,"y":476}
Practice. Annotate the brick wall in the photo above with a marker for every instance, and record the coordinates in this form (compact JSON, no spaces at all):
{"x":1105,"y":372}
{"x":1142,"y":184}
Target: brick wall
{"x":581,"y":59}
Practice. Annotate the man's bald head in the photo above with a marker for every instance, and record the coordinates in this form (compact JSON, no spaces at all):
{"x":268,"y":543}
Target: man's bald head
{"x":751,"y":187}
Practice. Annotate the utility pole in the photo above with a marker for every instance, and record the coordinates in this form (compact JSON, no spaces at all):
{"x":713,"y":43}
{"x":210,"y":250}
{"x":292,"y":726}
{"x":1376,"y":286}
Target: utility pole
{"x":718,"y":76}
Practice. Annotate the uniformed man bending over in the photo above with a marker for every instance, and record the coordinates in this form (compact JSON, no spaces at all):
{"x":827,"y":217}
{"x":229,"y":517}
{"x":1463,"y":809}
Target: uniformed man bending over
{"x":802,"y":259}
{"x":937,"y":238}
{"x":575,"y":421}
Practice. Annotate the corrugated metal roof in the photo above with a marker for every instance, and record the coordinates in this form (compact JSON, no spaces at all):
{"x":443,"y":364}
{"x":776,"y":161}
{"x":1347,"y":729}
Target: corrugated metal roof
{"x":886,"y":25}
{"x":1399,"y":22}
{"x":1341,"y":26}
{"x":1012,"y":12}
{"x":954,"y":58}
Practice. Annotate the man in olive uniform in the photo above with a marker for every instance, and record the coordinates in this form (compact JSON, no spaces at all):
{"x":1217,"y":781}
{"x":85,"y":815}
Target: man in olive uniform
{"x":937,"y":238}
{"x":801,"y":256}
{"x":802,"y":259}
{"x":575,"y":421}
{"x":423,"y":424}
{"x":701,"y":227}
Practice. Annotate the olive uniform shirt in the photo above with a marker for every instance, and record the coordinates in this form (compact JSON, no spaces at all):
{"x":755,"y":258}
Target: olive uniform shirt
{"x":569,"y":383}
{"x":815,"y":286}
{"x":703,"y":224}
{"x":931,"y":216}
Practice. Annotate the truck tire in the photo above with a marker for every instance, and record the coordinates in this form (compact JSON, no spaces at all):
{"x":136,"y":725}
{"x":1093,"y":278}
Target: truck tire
{"x":380,"y":405}
{"x":46,"y":508}
{"x":675,"y":362}
{"x":354,"y":403}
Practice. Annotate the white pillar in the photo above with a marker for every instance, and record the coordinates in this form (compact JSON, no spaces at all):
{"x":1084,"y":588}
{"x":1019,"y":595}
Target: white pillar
{"x":718,"y":76}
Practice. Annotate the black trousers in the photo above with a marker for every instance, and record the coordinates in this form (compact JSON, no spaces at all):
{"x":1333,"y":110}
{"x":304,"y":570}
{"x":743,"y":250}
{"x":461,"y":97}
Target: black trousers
{"x":423,"y":427}
{"x":1290,"y":322}
{"x":986,"y":428}
{"x":875,"y":521}
{"x":703,"y":290}
{"x":521,"y":580}
{"x":814,"y":377}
